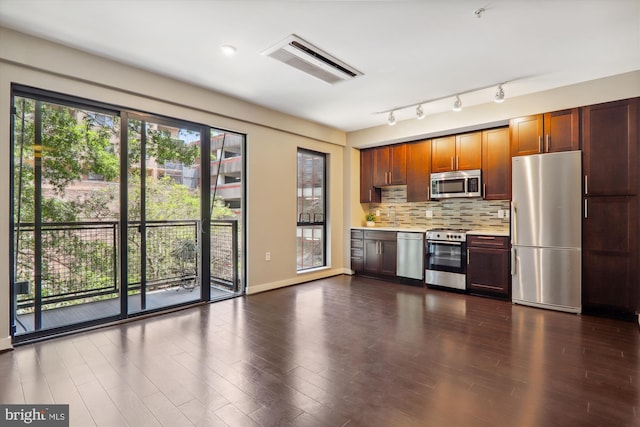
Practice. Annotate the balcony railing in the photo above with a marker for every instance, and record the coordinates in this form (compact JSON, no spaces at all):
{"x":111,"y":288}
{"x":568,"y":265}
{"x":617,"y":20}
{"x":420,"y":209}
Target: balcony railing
{"x":79,"y":260}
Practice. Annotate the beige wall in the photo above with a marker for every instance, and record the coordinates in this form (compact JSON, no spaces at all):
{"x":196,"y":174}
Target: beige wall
{"x":592,"y":92}
{"x":272,"y":141}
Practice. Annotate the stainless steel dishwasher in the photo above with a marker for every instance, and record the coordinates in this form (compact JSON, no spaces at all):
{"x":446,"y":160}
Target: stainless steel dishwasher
{"x":410,"y":255}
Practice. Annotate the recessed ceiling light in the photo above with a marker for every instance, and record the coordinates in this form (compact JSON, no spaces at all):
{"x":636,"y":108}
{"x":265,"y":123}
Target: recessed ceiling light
{"x":228,"y":50}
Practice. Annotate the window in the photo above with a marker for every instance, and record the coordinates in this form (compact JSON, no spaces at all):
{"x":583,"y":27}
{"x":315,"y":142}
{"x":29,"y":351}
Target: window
{"x":311,"y":230}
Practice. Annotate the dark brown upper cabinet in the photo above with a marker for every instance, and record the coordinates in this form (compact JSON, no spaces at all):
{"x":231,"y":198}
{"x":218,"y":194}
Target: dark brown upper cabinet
{"x":610,"y":148}
{"x":390,"y":165}
{"x":545,"y":133}
{"x":456,"y":152}
{"x":368,"y":193}
{"x":496,"y":164}
{"x":418,"y":170}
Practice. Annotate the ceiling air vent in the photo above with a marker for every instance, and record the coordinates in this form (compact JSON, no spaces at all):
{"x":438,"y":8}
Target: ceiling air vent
{"x":304,"y":56}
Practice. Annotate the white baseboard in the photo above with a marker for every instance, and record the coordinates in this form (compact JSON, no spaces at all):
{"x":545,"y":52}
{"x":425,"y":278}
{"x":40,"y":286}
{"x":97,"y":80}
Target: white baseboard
{"x":302,"y":278}
{"x":5,"y":344}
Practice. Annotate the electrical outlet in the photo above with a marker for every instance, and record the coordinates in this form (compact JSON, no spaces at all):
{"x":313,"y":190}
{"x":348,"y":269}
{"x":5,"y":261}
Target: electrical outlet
{"x":377,"y":212}
{"x":507,"y":212}
{"x":500,"y":213}
{"x":429,"y":214}
{"x":267,"y":256}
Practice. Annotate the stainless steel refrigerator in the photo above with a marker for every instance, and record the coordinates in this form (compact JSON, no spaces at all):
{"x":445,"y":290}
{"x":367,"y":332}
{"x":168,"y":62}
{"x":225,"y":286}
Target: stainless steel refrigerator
{"x":546,"y":238}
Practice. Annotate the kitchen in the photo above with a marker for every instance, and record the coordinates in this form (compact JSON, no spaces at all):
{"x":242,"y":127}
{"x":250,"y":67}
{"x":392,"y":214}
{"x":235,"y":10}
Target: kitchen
{"x":474,"y":229}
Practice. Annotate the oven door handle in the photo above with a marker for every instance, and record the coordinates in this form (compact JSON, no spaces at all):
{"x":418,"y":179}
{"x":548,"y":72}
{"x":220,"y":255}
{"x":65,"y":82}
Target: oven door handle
{"x":439,"y":242}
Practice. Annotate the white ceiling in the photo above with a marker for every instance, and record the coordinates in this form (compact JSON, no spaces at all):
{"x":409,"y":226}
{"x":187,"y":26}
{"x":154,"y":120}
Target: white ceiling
{"x":409,"y":51}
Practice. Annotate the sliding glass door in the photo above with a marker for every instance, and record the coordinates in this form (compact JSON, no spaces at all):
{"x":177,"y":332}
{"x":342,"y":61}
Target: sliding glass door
{"x":65,"y":215}
{"x":164,"y":206}
{"x":117,"y":213}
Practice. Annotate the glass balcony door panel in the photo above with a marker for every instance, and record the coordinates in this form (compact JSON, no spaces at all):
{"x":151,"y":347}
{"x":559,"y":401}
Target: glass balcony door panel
{"x":227,"y":213}
{"x":164,"y":216}
{"x":65,"y":211}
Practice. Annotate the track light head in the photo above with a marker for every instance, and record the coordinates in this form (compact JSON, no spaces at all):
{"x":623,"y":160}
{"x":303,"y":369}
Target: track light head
{"x":457,"y":105}
{"x":392,"y":119}
{"x":420,"y":112}
{"x":499,"y":95}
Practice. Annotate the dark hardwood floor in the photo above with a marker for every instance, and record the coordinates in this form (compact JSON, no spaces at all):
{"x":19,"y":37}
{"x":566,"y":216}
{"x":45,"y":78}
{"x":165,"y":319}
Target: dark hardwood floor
{"x":345,"y":351}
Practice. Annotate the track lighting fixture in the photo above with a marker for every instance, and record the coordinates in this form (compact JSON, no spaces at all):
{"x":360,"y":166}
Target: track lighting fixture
{"x":457,"y":105}
{"x":499,"y":94}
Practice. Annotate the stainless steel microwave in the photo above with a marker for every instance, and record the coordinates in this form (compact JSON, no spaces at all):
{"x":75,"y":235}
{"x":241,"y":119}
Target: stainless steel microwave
{"x":446,"y":185}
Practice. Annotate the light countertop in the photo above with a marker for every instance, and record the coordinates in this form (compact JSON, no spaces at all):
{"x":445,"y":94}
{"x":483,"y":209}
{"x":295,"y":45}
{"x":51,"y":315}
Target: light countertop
{"x":403,"y":229}
{"x":485,"y":232}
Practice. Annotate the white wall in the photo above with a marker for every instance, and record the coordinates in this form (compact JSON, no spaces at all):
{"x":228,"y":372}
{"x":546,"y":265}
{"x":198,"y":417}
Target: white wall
{"x":272,"y":142}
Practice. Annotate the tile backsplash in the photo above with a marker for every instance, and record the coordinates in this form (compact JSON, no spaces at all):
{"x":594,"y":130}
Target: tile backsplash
{"x":454,"y":213}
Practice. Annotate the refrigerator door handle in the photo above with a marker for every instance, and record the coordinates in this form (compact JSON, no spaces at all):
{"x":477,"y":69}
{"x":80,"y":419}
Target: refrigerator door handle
{"x":514,"y":217}
{"x":513,"y":261}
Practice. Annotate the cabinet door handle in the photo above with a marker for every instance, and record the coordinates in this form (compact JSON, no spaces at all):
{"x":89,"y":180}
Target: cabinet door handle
{"x":457,"y":162}
{"x":390,"y":177}
{"x":585,"y":209}
{"x":485,"y":237}
{"x":468,"y":256}
{"x":586,"y":184}
{"x":540,"y":143}
{"x":548,"y":142}
{"x":369,"y":195}
{"x":451,"y":162}
{"x":484,"y":190}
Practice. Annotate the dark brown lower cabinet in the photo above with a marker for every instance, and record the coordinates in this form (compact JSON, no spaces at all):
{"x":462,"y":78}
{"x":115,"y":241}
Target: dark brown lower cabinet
{"x":488,"y":266}
{"x":357,"y":250}
{"x":610,"y":255}
{"x":380,"y":248}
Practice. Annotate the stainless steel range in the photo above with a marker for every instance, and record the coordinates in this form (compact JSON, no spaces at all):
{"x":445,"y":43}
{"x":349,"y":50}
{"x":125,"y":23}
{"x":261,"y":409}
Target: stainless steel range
{"x":446,"y":258}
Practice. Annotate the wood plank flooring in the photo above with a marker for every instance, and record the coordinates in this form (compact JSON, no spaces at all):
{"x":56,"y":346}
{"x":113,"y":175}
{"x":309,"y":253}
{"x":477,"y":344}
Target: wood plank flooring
{"x":344,"y":351}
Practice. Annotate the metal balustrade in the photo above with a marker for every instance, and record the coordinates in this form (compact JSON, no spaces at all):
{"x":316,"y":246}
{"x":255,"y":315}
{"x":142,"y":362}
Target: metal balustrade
{"x":80,"y":259}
